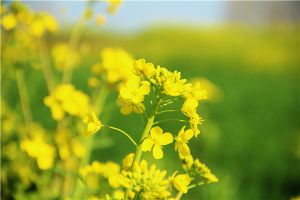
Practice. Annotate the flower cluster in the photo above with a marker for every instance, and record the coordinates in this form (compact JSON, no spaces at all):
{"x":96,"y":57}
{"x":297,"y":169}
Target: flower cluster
{"x":57,"y":163}
{"x":66,"y":99}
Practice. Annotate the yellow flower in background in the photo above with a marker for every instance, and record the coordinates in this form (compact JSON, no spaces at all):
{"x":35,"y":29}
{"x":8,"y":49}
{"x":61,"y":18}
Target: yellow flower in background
{"x":65,"y":98}
{"x":140,"y":68}
{"x":9,"y":21}
{"x":100,"y":20}
{"x":92,"y":122}
{"x":127,"y":107}
{"x":117,"y":65}
{"x":49,"y":22}
{"x":174,"y":85}
{"x":181,"y":142}
{"x":41,"y":23}
{"x":113,"y":5}
{"x":43,"y":152}
{"x":155,"y":141}
{"x":181,"y":182}
{"x":64,"y":56}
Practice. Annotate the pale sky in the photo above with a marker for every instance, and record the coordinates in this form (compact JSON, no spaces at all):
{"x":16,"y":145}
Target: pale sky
{"x":134,"y":15}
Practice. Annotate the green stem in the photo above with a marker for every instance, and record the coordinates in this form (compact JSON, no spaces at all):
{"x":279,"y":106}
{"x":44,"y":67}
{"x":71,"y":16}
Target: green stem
{"x":24,"y":99}
{"x":73,"y":43}
{"x":123,"y":132}
{"x":100,"y":99}
{"x":167,"y":111}
{"x":196,"y":184}
{"x":178,"y":196}
{"x":46,"y":68}
{"x":178,"y":120}
{"x":138,"y":152}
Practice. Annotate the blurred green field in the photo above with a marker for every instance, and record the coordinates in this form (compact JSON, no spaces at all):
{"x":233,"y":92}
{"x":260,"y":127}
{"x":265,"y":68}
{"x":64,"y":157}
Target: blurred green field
{"x":251,"y":135}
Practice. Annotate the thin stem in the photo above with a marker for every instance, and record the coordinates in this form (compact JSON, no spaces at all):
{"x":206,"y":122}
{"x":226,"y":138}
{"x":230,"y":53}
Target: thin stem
{"x":138,"y":152}
{"x":73,"y":43}
{"x":46,"y":68}
{"x":196,"y":184}
{"x":167,"y":111}
{"x":165,"y":120}
{"x":178,"y":196}
{"x":100,"y":100}
{"x":24,"y":99}
{"x":121,"y":131}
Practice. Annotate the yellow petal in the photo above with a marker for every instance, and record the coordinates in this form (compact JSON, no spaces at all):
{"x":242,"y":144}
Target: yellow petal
{"x":156,"y":132}
{"x":157,"y":152}
{"x":188,"y":134}
{"x":183,"y":150}
{"x":181,"y":182}
{"x":165,"y":139}
{"x":147,"y":144}
{"x":126,"y":110}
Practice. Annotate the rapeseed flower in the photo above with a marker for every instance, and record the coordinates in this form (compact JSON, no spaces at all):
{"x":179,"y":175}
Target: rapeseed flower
{"x":141,"y":68}
{"x":132,"y":96}
{"x":147,"y":182}
{"x":92,"y":122}
{"x":43,"y":152}
{"x":64,"y":57}
{"x":9,"y":21}
{"x":66,"y":99}
{"x":174,"y":85}
{"x":181,"y":142}
{"x":116,"y":64}
{"x":181,"y":182}
{"x":155,"y":141}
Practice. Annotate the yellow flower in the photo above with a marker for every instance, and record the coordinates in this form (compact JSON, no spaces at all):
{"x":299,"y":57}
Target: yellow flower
{"x":119,"y":194}
{"x":181,"y":142}
{"x":195,"y":91}
{"x":195,"y":119}
{"x":92,"y":122}
{"x":117,"y":65}
{"x":40,"y":150}
{"x":64,"y":56}
{"x":155,"y":141}
{"x":140,"y":68}
{"x":128,"y":107}
{"x":65,"y":98}
{"x":113,"y":5}
{"x":100,"y":20}
{"x":132,"y":95}
{"x":181,"y":182}
{"x":174,"y":85}
{"x":147,"y":181}
{"x":135,"y":90}
{"x":9,"y":21}
{"x":189,"y":108}
{"x":205,"y":172}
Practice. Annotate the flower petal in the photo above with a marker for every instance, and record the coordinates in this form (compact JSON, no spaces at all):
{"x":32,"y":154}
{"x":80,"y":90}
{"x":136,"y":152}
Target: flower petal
{"x":157,"y":152}
{"x":155,"y":132}
{"x":147,"y":144}
{"x":166,"y":138}
{"x":188,"y":134}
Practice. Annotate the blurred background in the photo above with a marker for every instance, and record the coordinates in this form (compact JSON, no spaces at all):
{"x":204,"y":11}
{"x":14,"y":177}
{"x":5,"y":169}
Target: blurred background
{"x":247,"y":54}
